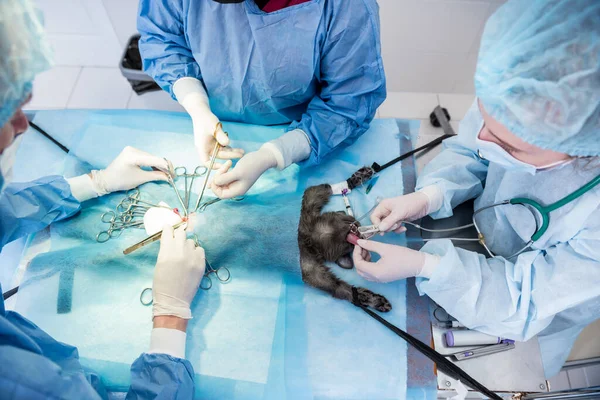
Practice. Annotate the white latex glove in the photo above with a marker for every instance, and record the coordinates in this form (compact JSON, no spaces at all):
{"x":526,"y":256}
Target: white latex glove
{"x":191,"y":95}
{"x":123,"y":173}
{"x":179,"y":270}
{"x":396,"y":262}
{"x":227,"y":184}
{"x":390,"y":213}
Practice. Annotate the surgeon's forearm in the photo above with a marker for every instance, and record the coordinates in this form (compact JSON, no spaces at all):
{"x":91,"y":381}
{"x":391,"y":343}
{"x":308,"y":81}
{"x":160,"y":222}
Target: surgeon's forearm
{"x":192,"y":96}
{"x":292,"y":147}
{"x":168,"y":336}
{"x":82,"y":188}
{"x":170,"y":322}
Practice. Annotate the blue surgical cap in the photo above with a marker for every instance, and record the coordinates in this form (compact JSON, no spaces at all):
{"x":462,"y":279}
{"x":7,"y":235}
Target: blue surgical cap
{"x":538,"y":73}
{"x":23,"y":53}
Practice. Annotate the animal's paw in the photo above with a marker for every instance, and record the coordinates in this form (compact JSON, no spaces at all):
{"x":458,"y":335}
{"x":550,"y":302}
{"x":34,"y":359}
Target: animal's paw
{"x":373,"y":300}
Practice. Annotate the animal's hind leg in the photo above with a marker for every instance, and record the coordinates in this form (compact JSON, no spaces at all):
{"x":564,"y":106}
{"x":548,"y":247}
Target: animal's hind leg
{"x":319,"y":276}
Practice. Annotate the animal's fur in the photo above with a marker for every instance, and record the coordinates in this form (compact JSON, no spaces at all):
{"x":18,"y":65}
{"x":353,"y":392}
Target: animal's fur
{"x":321,"y":238}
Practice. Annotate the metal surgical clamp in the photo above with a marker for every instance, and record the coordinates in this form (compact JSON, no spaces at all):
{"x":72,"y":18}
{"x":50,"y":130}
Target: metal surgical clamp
{"x":182,"y":172}
{"x":222,"y":273}
{"x":367,"y":232}
{"x":171,"y":180}
{"x":213,"y":157}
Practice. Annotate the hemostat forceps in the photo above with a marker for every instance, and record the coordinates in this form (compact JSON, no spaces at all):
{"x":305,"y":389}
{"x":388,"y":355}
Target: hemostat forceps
{"x":182,"y":172}
{"x":213,"y":157}
{"x":202,"y":208}
{"x":222,"y":273}
{"x":171,"y":179}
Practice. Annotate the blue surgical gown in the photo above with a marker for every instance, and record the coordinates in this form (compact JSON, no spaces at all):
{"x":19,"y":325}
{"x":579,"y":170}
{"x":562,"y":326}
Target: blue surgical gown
{"x":35,"y":366}
{"x":316,"y":65}
{"x":552,"y":290}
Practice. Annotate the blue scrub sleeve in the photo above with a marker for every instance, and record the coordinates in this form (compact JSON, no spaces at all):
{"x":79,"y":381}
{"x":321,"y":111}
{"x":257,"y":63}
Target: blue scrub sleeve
{"x":457,"y":171}
{"x":34,"y":366}
{"x":516,"y":300}
{"x":352,"y":80}
{"x":27,"y":208}
{"x":165,"y":52}
{"x":160,"y":376}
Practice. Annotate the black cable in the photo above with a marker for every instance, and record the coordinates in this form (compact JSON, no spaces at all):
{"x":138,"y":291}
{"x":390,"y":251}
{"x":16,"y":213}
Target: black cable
{"x":9,"y":293}
{"x":47,"y":135}
{"x":433,"y":143}
{"x":365,"y":174}
{"x":442,"y":363}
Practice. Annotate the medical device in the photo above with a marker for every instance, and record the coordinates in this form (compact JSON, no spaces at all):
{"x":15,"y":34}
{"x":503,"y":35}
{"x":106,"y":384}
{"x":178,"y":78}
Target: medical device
{"x":505,"y":345}
{"x":365,"y":174}
{"x":542,"y":221}
{"x":467,"y":337}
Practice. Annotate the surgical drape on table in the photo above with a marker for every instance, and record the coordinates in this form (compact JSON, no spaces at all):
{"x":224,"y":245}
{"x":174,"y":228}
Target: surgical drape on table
{"x":263,"y":335}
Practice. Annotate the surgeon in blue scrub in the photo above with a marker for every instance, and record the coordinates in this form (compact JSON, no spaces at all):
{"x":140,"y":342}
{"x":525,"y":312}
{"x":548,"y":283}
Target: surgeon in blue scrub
{"x":32,"y":364}
{"x":532,"y":133}
{"x":313,"y":65}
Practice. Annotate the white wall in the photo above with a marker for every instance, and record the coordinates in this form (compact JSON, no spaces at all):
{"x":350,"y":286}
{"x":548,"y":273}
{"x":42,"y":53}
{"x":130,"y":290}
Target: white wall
{"x":432,"y":45}
{"x":428,"y":45}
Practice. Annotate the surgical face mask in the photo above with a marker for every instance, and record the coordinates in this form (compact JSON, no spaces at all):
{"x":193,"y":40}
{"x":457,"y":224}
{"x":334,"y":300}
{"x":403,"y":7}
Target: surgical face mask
{"x":496,"y":154}
{"x":7,"y":159}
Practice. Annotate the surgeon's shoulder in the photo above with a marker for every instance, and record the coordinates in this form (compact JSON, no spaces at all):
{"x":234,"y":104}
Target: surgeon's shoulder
{"x":368,"y":8}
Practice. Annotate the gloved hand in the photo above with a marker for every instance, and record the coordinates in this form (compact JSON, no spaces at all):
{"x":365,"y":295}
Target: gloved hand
{"x":179,"y":270}
{"x":125,"y":171}
{"x":207,"y":130}
{"x":390,"y":213}
{"x":227,"y":184}
{"x":396,"y":262}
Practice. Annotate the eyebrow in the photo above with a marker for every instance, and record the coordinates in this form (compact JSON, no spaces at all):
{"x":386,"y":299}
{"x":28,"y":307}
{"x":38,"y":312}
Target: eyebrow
{"x":506,"y":144}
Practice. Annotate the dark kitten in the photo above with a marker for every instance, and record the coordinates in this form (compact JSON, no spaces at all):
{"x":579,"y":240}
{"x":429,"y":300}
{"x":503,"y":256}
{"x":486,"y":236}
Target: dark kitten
{"x":321,"y":238}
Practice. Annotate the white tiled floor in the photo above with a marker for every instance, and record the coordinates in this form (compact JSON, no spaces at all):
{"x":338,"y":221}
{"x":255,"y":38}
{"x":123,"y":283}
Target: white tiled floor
{"x":102,"y":88}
